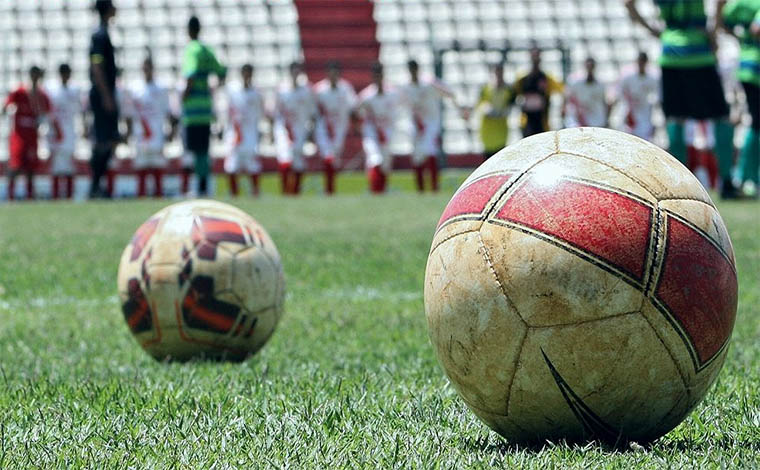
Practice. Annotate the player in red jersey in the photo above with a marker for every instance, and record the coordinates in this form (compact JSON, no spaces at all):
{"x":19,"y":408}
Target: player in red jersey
{"x":31,"y":106}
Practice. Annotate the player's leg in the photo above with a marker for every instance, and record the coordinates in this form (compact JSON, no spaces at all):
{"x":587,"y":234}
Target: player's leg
{"x":12,"y":173}
{"x":326,"y":146}
{"x":749,"y":158}
{"x":30,"y":167}
{"x":231,"y":166}
{"x":299,"y":163}
{"x":55,"y":179}
{"x":283,"y":148}
{"x":373,"y":153}
{"x":30,"y":184}
{"x":254,"y":168}
{"x":431,"y":138}
{"x":674,"y":108}
{"x":69,"y":186}
{"x":418,"y":158}
{"x":142,"y":175}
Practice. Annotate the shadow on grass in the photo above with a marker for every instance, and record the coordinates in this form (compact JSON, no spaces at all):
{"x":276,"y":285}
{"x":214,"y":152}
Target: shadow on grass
{"x":492,"y":444}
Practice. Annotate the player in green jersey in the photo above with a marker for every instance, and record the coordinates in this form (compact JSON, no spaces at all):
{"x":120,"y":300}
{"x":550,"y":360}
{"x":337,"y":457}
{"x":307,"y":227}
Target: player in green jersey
{"x":742,"y":18}
{"x":197,"y":103}
{"x":691,"y":86}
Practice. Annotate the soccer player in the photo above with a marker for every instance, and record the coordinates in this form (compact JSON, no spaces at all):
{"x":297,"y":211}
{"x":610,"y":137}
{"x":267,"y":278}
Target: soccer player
{"x":494,"y":101}
{"x":30,"y":105}
{"x":745,"y":14}
{"x":534,"y":91}
{"x":586,"y":100}
{"x":149,"y":116}
{"x":245,"y":110}
{"x":424,"y":100}
{"x":691,"y":85}
{"x":336,"y":100}
{"x":66,"y":102}
{"x":378,"y":111}
{"x":103,"y":97}
{"x":295,"y":112}
{"x":638,"y":92}
{"x":197,"y":105}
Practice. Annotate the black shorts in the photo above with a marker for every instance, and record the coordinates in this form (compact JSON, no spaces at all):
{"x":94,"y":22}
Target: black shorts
{"x":695,"y":93}
{"x":752,"y":92}
{"x":197,"y":138}
{"x":105,"y":124}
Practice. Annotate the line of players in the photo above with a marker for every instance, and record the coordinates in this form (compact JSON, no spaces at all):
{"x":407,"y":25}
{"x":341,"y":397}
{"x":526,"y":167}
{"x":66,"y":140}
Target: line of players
{"x":324,"y":111}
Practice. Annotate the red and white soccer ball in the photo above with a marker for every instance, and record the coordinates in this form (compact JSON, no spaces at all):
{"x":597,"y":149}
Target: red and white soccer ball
{"x":581,"y":285}
{"x":201,"y":279}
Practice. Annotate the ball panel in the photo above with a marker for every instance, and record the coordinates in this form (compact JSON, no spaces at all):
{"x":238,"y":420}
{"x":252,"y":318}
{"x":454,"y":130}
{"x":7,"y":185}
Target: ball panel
{"x":254,"y":278}
{"x":474,"y":329}
{"x":472,"y":200}
{"x":550,"y":284}
{"x":698,"y":288}
{"x":622,"y":381}
{"x":518,"y":157}
{"x":650,"y":166}
{"x":607,"y":224}
{"x":583,"y":170}
{"x":705,"y":218}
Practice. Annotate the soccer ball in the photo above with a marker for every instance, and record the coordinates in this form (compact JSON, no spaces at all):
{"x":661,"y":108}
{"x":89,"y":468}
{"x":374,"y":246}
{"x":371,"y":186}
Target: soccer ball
{"x":201,"y":279}
{"x":581,"y":285}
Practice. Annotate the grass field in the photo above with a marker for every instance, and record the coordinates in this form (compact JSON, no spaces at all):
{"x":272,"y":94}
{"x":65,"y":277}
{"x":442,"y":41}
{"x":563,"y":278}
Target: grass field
{"x":348,"y":380}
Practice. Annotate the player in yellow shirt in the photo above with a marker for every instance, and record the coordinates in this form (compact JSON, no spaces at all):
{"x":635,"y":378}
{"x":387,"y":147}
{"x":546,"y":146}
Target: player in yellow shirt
{"x":494,"y":102}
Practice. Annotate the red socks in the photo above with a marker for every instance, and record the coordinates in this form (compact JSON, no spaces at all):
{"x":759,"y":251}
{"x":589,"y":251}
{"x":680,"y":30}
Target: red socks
{"x":141,"y":176}
{"x":432,"y":163}
{"x":255,"y":184}
{"x":56,"y":191}
{"x":284,"y":169}
{"x":233,"y":184}
{"x":377,"y":180}
{"x":418,"y":178}
{"x":329,"y":176}
{"x":186,"y":180}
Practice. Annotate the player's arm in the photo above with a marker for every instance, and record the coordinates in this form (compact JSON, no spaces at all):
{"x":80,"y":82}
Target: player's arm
{"x":9,"y":100}
{"x":447,"y":93}
{"x":99,"y":75}
{"x":635,"y":15}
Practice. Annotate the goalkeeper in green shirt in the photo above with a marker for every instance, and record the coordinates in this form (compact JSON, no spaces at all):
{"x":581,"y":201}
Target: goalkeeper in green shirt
{"x":197,"y":104}
{"x":691,"y":86}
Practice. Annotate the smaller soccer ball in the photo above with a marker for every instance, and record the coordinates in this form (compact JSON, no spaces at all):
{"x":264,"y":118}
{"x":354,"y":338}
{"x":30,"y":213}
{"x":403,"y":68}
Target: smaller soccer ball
{"x":201,"y":279}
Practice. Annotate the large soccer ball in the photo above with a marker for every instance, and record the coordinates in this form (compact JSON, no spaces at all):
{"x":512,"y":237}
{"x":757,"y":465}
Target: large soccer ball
{"x":581,"y":285}
{"x":201,"y":279}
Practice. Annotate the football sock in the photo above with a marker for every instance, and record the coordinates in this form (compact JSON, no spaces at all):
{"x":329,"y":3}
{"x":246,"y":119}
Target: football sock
{"x":418,"y":178}
{"x":284,"y":178}
{"x":69,"y":186}
{"x":110,"y":182}
{"x":329,"y":177}
{"x":203,"y":185}
{"x":141,"y":175}
{"x":433,"y":165}
{"x":255,"y":184}
{"x":158,"y":179}
{"x":749,"y":159}
{"x":29,"y":186}
{"x":724,"y":148}
{"x":233,"y":184}
{"x":185,"y":180}
{"x":383,"y":180}
{"x":11,"y":187}
{"x":56,"y":192}
{"x":297,"y":182}
{"x":375,"y":177}
{"x":677,"y":145}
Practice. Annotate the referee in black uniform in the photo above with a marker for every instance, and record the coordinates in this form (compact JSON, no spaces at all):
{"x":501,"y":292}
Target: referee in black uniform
{"x":103,"y":97}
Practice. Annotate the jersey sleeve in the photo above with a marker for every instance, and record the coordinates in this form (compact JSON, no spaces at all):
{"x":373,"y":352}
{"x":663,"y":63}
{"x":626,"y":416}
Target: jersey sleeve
{"x":97,"y":48}
{"x":731,"y":13}
{"x":190,"y":62}
{"x":555,"y":86}
{"x":12,"y":98}
{"x":216,"y":66}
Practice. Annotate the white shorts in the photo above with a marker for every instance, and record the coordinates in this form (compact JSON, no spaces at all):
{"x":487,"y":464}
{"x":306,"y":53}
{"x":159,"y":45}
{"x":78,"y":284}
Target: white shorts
{"x":330,"y":146}
{"x":378,"y":154}
{"x":150,"y":153}
{"x":290,"y":151}
{"x":243,"y":157}
{"x":62,"y":157}
{"x":426,"y":141}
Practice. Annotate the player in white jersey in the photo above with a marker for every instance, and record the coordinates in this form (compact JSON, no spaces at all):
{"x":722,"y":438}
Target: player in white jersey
{"x":336,"y":100}
{"x":586,"y":100}
{"x":67,"y":104}
{"x":245,"y":108}
{"x":147,"y":115}
{"x":295,"y":111}
{"x":424,"y":100}
{"x":378,"y":109}
{"x":638,"y":92}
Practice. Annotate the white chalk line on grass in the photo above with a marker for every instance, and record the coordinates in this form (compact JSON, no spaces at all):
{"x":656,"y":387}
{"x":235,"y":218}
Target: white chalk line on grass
{"x":48,"y":302}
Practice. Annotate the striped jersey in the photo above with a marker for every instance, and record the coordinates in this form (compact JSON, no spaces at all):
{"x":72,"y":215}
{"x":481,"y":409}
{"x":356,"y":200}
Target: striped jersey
{"x":199,"y":63}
